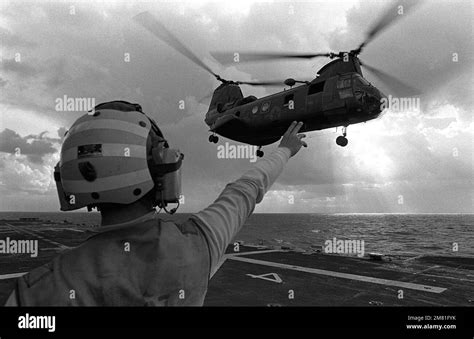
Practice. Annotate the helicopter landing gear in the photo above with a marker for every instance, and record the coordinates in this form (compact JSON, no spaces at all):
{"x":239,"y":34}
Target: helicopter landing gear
{"x":259,"y":152}
{"x":342,"y":140}
{"x":213,"y":138}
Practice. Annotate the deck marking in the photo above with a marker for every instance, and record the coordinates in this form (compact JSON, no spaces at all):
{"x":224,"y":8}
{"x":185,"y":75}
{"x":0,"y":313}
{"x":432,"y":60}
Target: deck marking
{"x":12,"y":275}
{"x":427,"y":269}
{"x":425,"y":288}
{"x":276,"y":277}
{"x":8,"y":227}
{"x":445,"y":277}
{"x":61,"y":246}
{"x":442,"y":251}
{"x":254,"y":252}
{"x":226,"y":256}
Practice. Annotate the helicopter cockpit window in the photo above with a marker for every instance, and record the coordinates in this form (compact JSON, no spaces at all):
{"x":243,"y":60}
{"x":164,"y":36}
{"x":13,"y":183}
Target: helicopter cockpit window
{"x":345,"y":93}
{"x":343,"y":83}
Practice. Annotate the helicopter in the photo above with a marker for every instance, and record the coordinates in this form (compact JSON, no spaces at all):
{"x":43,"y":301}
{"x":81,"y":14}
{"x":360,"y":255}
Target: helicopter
{"x":339,"y":95}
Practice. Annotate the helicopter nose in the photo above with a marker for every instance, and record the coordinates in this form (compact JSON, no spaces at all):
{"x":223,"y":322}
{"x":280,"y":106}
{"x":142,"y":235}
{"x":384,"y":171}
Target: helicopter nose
{"x":374,"y":104}
{"x":373,"y":101}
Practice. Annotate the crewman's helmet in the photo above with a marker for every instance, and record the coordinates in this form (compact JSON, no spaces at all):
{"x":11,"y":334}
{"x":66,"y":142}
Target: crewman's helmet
{"x":114,"y":154}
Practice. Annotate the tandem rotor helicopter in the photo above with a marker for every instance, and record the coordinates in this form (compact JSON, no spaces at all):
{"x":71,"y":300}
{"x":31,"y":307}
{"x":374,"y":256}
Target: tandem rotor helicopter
{"x":338,"y":96}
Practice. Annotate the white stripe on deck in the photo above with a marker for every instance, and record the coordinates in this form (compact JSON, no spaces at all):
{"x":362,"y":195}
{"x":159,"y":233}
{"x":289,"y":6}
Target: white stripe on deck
{"x":11,"y":275}
{"x":254,"y":252}
{"x":227,"y":256}
{"x":363,"y":278}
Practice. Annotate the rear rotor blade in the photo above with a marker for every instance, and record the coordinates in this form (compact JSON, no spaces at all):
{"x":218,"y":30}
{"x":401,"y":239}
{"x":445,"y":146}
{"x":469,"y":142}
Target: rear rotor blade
{"x":225,"y":58}
{"x":400,"y":88}
{"x":396,"y":11}
{"x":148,"y":21}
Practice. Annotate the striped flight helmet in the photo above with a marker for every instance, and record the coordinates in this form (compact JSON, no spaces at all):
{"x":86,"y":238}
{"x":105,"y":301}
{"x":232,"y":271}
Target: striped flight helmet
{"x":104,"y":157}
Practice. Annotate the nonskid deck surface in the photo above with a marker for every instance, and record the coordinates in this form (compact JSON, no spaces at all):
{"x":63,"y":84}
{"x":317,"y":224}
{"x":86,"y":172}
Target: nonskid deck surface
{"x":263,"y":276}
{"x":256,"y":276}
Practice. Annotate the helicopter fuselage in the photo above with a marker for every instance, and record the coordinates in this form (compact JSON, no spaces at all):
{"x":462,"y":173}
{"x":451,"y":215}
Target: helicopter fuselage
{"x":330,"y":101}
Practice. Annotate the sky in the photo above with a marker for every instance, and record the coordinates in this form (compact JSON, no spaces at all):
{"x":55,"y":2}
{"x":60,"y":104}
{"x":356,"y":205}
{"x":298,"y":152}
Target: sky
{"x":407,"y":161}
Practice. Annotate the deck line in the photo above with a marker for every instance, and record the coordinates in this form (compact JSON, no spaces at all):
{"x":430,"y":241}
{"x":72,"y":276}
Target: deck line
{"x":8,"y":227}
{"x":427,"y":269}
{"x":61,"y":246}
{"x":227,"y":256}
{"x":254,"y":252}
{"x":11,"y":275}
{"x":425,"y":288}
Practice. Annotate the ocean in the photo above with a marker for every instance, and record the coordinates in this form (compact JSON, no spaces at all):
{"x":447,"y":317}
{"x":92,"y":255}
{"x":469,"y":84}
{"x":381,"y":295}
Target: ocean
{"x":392,"y":234}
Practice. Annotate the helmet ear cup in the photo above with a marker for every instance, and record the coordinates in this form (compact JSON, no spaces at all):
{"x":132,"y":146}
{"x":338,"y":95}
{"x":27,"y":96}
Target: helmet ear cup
{"x":87,"y":170}
{"x":157,"y":144}
{"x":157,"y":154}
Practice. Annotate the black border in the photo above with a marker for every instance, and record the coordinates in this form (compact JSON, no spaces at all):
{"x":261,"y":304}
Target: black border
{"x":138,"y":320}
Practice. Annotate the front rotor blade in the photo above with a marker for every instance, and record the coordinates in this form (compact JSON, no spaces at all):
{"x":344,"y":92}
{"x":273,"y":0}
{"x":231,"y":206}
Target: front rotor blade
{"x":396,"y":11}
{"x":157,"y":29}
{"x":262,"y":83}
{"x":400,"y":88}
{"x":225,"y":58}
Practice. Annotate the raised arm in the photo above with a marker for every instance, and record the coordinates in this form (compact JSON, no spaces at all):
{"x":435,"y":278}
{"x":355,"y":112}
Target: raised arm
{"x":223,"y":219}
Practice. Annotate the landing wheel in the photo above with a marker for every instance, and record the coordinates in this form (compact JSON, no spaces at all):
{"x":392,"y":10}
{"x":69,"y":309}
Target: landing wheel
{"x":259,"y":153}
{"x":213,"y":138}
{"x":341,"y":141}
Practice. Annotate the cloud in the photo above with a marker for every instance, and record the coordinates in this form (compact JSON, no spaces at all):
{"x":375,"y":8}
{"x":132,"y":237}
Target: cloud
{"x":61,"y":132}
{"x":99,"y":52}
{"x":10,"y":39}
{"x":23,"y":69}
{"x":34,"y":147}
{"x":27,"y":186}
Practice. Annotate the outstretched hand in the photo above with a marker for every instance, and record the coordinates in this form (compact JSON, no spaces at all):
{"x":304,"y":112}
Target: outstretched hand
{"x":292,"y":140}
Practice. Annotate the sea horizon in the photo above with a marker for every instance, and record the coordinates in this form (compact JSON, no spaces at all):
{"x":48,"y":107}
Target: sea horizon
{"x":323,"y":213}
{"x":394,"y":233}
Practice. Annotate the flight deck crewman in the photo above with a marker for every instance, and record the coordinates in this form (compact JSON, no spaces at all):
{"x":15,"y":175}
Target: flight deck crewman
{"x":135,"y":258}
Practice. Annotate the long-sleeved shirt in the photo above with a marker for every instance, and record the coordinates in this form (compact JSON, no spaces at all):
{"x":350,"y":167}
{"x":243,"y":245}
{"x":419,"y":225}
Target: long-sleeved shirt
{"x":148,"y":261}
{"x":222,"y":220}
